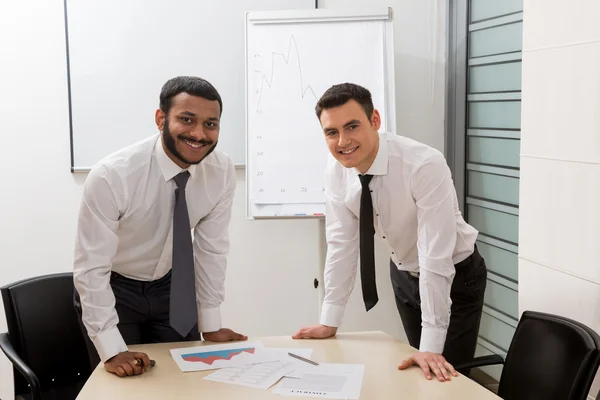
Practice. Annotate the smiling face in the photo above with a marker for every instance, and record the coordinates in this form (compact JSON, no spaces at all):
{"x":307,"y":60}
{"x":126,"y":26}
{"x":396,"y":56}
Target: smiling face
{"x":190,"y":129}
{"x":351,"y":136}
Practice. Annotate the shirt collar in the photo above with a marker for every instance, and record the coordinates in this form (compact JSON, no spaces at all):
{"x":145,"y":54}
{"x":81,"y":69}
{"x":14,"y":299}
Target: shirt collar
{"x":380,"y":164}
{"x":168,"y":168}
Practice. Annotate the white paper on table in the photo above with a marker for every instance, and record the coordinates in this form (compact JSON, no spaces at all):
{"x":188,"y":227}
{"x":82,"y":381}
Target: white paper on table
{"x":298,"y":364}
{"x":203,"y":358}
{"x":296,"y":373}
{"x":328,"y":381}
{"x":260,"y":376}
{"x":263,"y":375}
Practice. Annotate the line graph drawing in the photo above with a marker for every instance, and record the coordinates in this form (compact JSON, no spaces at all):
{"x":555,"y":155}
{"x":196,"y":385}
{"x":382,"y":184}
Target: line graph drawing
{"x":269,"y":82}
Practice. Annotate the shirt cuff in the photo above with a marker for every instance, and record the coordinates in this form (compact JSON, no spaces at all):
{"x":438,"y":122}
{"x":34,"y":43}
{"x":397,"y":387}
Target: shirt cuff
{"x":109,"y":343}
{"x":332,"y":315}
{"x":209,"y":319}
{"x":432,"y":340}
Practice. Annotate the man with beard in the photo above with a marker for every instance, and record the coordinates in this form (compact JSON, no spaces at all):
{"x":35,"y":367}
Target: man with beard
{"x":139,"y":276}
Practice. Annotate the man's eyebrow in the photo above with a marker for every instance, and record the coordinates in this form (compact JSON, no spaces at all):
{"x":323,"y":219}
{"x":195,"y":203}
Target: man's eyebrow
{"x":191,"y":114}
{"x":353,"y":122}
{"x":347,"y":124}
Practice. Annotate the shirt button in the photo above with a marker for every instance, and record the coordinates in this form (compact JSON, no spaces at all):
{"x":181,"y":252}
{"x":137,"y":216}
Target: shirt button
{"x":371,"y":190}
{"x":384,"y":237}
{"x":377,"y":215}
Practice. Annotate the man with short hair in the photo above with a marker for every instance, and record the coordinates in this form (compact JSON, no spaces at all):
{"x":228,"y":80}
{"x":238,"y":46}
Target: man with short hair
{"x":139,"y":276}
{"x":403,"y":191}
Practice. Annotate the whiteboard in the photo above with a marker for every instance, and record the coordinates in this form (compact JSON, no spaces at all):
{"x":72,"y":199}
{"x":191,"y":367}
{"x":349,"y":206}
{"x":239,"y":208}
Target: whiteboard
{"x":120,"y":53}
{"x":292,"y":57}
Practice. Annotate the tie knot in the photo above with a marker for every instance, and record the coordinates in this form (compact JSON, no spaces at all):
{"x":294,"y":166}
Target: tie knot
{"x":181,"y":179}
{"x":365,"y":180}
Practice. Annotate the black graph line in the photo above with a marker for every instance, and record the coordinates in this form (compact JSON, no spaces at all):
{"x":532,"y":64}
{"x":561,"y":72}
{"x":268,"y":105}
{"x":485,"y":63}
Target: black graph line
{"x":269,"y":82}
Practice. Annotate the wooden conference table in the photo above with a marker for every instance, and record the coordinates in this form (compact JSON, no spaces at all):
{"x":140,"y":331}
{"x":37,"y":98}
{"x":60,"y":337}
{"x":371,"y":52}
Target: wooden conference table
{"x":379,"y":352}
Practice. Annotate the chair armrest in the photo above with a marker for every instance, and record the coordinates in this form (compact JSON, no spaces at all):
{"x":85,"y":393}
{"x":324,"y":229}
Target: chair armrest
{"x":19,"y":364}
{"x":493,"y":359}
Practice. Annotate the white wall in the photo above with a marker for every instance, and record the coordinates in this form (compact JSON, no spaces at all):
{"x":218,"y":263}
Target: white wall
{"x":40,"y":197}
{"x":420,"y":39}
{"x":559,"y":251}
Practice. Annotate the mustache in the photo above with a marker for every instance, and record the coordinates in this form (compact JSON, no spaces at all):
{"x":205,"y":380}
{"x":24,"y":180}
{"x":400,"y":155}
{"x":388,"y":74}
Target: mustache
{"x":201,"y":141}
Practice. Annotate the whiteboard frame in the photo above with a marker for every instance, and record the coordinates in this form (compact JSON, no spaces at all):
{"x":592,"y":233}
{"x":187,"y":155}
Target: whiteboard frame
{"x":323,"y":15}
{"x":75,"y":138}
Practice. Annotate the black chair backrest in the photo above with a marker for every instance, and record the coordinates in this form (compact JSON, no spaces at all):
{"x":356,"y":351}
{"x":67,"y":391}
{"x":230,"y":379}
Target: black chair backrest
{"x":550,"y":357}
{"x":44,"y":330}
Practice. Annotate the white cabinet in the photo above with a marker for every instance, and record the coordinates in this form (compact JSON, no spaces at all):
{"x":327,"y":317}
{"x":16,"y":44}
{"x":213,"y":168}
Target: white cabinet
{"x":272,"y":267}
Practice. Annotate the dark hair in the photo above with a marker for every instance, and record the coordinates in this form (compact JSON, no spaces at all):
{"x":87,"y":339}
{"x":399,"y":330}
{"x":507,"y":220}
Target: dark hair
{"x":340,"y":94}
{"x":191,"y":85}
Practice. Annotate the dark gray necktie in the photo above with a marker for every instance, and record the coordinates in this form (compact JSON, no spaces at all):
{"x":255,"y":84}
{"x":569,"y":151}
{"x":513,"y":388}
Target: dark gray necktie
{"x":367,"y":244}
{"x":183,"y":310}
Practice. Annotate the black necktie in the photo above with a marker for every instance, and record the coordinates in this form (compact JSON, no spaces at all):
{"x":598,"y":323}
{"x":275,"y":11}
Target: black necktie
{"x":367,"y":245}
{"x":183,"y":314}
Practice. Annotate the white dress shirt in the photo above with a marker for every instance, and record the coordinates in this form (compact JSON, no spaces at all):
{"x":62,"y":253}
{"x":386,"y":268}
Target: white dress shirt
{"x":125,"y":225}
{"x":416,"y":213}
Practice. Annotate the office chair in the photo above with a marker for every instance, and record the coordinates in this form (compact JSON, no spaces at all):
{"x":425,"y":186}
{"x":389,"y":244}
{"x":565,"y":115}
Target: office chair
{"x":550,"y":357}
{"x":44,"y":341}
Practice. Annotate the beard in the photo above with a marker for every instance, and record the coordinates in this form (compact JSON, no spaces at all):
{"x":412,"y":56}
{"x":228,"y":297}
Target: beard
{"x":170,"y":145}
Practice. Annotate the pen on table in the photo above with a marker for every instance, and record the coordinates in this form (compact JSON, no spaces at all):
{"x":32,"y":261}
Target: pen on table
{"x":303,"y":359}
{"x":140,"y":362}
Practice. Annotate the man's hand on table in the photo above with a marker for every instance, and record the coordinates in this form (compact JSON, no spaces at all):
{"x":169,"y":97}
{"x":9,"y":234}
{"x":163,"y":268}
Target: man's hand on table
{"x":430,"y":362}
{"x":315,"y":332}
{"x":223,"y":335}
{"x":128,"y":363}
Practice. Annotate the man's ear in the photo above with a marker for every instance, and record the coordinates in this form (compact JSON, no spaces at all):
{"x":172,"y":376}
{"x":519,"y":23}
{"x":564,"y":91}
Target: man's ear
{"x":376,"y":120}
{"x":159,"y":118}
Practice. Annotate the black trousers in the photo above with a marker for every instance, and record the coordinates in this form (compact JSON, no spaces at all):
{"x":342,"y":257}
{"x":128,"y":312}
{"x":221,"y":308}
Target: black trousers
{"x":466,"y":294}
{"x":143,"y":310}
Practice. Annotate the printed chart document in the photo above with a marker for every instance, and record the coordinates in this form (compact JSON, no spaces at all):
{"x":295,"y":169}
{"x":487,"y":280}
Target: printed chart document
{"x":203,"y":358}
{"x":328,"y":381}
{"x":263,"y":375}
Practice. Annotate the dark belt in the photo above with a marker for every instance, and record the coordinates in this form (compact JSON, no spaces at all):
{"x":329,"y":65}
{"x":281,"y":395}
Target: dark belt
{"x":115,"y":276}
{"x":467,"y":260}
